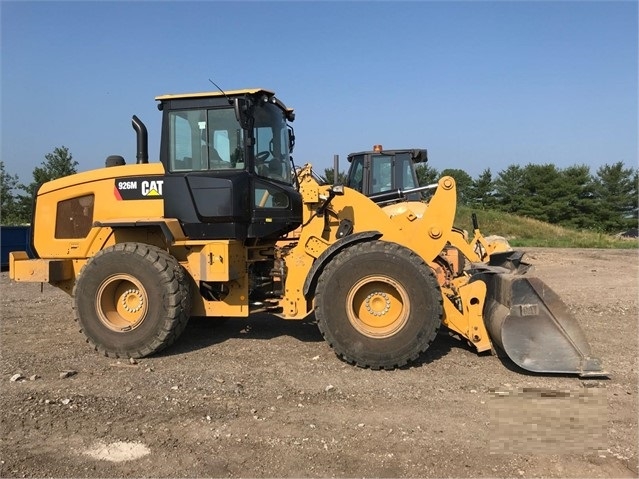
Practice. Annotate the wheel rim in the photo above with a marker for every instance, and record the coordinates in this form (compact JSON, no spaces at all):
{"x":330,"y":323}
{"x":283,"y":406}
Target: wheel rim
{"x":377,"y":306}
{"x":122,"y":303}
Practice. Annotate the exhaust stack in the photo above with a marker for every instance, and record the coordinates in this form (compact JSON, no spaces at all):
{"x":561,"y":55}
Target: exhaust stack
{"x":142,"y":140}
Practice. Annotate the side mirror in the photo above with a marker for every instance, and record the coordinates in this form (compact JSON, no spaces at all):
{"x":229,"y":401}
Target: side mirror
{"x":241,"y":106}
{"x":291,"y":138}
{"x":419,"y":156}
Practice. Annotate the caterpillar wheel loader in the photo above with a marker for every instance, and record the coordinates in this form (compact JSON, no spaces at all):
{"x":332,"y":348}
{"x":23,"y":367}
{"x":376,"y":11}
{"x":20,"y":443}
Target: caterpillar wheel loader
{"x":141,"y":247}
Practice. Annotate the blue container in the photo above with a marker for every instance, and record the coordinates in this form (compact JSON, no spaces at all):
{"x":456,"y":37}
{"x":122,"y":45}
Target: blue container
{"x":14,"y":238}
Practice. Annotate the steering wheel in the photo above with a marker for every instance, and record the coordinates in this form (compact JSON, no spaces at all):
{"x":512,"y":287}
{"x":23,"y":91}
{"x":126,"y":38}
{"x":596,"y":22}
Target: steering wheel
{"x":262,"y":156}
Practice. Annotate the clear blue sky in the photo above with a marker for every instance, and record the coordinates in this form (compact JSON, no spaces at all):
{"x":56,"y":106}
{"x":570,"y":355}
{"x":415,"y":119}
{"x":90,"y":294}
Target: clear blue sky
{"x":480,"y":84}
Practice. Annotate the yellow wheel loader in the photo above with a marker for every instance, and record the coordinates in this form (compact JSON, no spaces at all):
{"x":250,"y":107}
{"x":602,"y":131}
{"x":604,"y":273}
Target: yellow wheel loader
{"x":203,"y":232}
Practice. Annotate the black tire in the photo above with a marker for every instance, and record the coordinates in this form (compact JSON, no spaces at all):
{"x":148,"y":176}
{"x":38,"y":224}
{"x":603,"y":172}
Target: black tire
{"x":132,"y":300}
{"x":378,"y":305}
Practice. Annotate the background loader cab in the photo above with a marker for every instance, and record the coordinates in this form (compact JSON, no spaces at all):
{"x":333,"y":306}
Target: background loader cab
{"x":374,"y":173}
{"x":227,"y":159}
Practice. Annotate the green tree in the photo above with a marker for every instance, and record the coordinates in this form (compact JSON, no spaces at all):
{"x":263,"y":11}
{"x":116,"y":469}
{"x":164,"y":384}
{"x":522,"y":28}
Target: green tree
{"x":464,"y":184}
{"x":8,"y":184}
{"x":329,"y":175}
{"x":481,"y":192}
{"x":563,"y":197}
{"x":542,"y":193}
{"x":57,"y":164}
{"x":509,"y":189}
{"x":615,"y":191}
{"x":578,"y":199}
{"x":426,"y":174}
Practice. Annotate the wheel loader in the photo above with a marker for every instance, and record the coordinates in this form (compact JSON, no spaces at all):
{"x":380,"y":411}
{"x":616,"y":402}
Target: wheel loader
{"x":141,"y":247}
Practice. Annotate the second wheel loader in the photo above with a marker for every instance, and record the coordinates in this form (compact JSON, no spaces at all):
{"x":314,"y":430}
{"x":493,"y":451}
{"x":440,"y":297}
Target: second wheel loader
{"x":143,"y":246}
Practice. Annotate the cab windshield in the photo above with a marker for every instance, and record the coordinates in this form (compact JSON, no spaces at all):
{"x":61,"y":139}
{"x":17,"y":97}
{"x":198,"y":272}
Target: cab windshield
{"x":271,"y":149}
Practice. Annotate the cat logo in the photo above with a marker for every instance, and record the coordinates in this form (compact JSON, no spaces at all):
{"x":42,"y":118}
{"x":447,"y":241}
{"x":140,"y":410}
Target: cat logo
{"x":137,"y":188}
{"x":152,"y":188}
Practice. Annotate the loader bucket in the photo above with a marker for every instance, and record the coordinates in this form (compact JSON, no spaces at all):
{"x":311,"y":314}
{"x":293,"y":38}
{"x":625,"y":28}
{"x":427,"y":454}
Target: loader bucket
{"x":530,"y":323}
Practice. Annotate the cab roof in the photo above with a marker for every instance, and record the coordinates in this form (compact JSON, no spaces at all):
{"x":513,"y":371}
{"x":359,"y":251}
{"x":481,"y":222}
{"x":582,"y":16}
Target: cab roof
{"x":230,"y":93}
{"x":418,"y":155}
{"x":247,"y":91}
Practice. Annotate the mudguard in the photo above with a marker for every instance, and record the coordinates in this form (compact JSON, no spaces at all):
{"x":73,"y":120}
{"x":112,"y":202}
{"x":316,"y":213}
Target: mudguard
{"x":313,"y":274}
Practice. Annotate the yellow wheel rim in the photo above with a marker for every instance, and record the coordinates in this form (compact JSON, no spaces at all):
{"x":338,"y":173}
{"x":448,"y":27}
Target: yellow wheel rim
{"x":377,"y":306}
{"x":122,"y":303}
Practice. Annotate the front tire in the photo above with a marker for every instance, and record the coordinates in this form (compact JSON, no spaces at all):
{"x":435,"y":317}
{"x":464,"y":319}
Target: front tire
{"x":378,"y":305}
{"x":132,"y":300}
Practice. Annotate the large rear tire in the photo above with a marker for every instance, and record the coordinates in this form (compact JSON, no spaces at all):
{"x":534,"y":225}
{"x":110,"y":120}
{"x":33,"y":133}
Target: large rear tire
{"x":132,"y":300}
{"x":378,"y":305}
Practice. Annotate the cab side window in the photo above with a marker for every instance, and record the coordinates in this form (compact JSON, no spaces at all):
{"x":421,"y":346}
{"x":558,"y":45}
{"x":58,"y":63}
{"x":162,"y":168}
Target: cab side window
{"x":356,"y":177}
{"x":408,"y":181}
{"x":204,"y":140}
{"x":181,"y":154}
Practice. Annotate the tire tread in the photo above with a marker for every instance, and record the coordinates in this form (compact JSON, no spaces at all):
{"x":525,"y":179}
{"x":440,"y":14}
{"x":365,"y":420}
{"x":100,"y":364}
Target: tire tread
{"x":343,"y":257}
{"x":173,"y":281}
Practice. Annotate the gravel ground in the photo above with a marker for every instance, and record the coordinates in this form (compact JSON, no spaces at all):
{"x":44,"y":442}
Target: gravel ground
{"x":268,"y":398}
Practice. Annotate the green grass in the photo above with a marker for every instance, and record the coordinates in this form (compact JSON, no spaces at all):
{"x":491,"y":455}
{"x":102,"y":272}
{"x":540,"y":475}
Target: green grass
{"x":520,"y":231}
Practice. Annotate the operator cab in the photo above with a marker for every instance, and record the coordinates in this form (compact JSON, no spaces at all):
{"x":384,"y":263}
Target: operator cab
{"x":227,"y":157}
{"x":382,"y":171}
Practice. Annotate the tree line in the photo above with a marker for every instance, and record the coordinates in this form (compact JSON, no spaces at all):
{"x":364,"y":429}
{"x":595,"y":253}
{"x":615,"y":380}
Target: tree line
{"x":605,"y":201}
{"x":16,"y":206}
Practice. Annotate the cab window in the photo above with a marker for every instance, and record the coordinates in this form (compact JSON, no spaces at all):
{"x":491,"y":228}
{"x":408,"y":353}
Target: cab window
{"x":408,"y":181}
{"x":382,"y":174}
{"x":205,"y":140}
{"x":268,"y":195}
{"x":356,"y":175}
{"x":271,"y":150}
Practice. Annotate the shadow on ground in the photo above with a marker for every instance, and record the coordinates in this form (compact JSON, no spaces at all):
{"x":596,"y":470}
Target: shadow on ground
{"x":203,"y":332}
